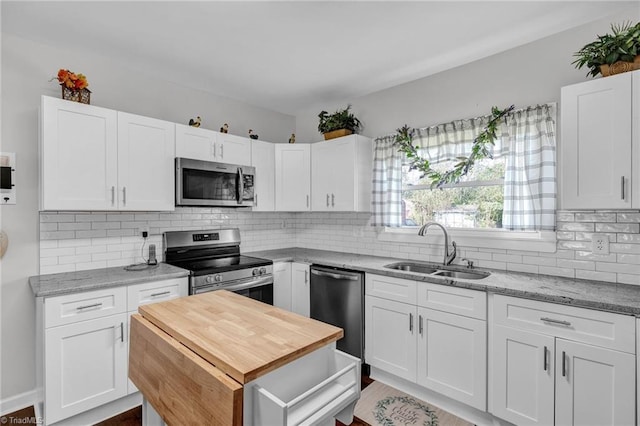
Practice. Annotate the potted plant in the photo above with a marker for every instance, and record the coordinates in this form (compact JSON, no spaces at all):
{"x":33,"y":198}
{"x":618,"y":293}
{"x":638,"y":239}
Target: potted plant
{"x":74,"y":86}
{"x":612,"y":53}
{"x":340,"y":123}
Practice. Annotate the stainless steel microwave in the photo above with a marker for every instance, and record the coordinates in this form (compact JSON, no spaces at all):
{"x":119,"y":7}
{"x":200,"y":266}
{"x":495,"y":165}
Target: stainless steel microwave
{"x":205,"y":183}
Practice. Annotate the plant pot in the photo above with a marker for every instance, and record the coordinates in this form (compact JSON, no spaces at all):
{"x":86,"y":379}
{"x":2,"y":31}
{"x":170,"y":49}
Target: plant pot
{"x":337,"y":134}
{"x":83,"y":95}
{"x":620,"y":67}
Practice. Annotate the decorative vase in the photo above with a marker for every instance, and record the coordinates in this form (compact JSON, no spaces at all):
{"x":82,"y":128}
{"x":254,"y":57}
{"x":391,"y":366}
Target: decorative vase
{"x":83,"y":95}
{"x":620,"y":67}
{"x":337,"y":134}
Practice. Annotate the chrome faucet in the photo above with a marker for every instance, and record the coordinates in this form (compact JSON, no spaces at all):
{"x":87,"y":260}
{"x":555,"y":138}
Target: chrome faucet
{"x":448,"y":258}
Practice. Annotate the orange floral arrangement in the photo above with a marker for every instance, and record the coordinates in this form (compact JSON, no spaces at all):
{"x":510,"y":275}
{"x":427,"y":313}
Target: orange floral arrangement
{"x":72,"y":80}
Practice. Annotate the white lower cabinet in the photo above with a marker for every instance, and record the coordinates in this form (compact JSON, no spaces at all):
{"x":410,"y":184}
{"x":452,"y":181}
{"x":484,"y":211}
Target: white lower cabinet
{"x":435,"y":348}
{"x":300,"y":289}
{"x":547,"y":370}
{"x":282,"y":285}
{"x":85,"y":366}
{"x":85,"y":343}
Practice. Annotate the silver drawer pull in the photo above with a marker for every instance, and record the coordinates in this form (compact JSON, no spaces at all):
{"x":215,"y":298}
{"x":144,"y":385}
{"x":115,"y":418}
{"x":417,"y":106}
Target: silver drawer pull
{"x":162,"y":293}
{"x":410,"y":322}
{"x":545,"y":364}
{"x":555,"y":321}
{"x":95,"y":305}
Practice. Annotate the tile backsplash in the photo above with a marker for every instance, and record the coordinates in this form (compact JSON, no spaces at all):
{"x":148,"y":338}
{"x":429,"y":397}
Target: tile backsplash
{"x":75,"y":241}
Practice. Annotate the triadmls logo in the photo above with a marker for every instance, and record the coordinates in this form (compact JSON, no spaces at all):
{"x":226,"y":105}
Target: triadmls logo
{"x":403,"y":411}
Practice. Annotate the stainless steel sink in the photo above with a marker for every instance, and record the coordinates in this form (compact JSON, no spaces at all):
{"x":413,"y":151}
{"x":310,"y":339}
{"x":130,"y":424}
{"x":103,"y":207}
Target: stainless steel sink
{"x":467,"y":275}
{"x":412,"y":267}
{"x":437,"y":271}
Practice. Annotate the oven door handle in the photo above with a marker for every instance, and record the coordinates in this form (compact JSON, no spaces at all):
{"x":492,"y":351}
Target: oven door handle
{"x":240,"y":185}
{"x":255,"y":283}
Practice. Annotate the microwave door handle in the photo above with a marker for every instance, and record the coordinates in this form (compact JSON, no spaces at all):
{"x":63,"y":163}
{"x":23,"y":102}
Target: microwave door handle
{"x":240,"y":185}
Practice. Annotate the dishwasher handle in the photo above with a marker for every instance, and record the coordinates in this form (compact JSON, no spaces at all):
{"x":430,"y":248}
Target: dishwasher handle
{"x":336,"y":275}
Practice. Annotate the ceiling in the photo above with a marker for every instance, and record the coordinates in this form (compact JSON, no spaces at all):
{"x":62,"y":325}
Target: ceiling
{"x":286,"y":55}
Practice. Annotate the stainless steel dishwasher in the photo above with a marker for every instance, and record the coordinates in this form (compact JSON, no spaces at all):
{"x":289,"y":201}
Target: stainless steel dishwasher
{"x":337,"y":298}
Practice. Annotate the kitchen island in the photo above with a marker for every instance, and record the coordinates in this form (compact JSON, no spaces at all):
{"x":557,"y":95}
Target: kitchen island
{"x":223,"y":359}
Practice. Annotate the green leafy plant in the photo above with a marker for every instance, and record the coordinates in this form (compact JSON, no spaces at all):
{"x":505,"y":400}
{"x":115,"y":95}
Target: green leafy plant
{"x":341,"y":119}
{"x":479,"y":150}
{"x":623,"y":44}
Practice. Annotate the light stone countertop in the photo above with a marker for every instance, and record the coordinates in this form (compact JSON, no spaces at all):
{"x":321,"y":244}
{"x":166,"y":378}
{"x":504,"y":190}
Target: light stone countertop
{"x":95,"y":279}
{"x":605,"y":296}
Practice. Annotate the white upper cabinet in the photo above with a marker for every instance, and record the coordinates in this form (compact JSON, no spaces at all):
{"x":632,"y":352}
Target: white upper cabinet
{"x":145,"y":163}
{"x":263,"y":158}
{"x":207,"y":145}
{"x":341,"y":174}
{"x":78,"y":156}
{"x":596,"y":144}
{"x":98,"y":159}
{"x":293,"y":177}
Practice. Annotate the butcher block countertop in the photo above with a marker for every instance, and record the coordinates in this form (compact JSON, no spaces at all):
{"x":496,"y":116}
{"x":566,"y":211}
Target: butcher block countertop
{"x":240,"y":336}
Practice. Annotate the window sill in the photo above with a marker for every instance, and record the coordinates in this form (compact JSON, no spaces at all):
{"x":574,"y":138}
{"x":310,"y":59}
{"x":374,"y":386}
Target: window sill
{"x":542,"y":241}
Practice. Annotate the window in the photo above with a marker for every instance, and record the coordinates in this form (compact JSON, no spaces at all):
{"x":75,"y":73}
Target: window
{"x":509,"y":196}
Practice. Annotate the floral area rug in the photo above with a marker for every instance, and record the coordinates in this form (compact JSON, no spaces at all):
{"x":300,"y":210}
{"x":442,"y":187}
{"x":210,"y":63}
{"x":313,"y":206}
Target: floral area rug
{"x":383,"y":405}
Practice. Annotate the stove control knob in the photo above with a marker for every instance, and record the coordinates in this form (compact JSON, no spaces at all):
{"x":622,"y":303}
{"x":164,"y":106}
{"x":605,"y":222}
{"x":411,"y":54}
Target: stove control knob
{"x":209,"y":279}
{"x":255,"y":272}
{"x":218,"y":278}
{"x":263,"y":270}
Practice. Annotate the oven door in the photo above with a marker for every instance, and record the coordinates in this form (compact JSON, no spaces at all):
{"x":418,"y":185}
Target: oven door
{"x":205,"y":183}
{"x":260,"y":289}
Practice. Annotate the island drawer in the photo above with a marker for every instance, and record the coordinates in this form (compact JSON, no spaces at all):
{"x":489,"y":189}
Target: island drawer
{"x":453,"y":300}
{"x":391,"y":288}
{"x":320,"y":386}
{"x":156,"y":291}
{"x":84,"y":306}
{"x":606,"y":329}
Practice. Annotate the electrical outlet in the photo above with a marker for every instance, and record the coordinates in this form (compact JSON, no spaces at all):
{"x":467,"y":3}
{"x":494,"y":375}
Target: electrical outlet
{"x":600,"y":244}
{"x":143,"y":228}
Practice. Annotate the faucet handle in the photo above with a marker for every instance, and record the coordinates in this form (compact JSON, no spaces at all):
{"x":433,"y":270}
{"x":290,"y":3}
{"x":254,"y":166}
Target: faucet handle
{"x":469,"y":262}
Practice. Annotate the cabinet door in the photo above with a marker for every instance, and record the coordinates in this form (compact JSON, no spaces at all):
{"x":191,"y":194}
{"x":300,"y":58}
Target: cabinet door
{"x":635,"y":133}
{"x":522,"y":376}
{"x":452,"y":356}
{"x":78,"y":150}
{"x":146,"y":151}
{"x":293,"y":177}
{"x":594,"y":386}
{"x":85,"y":366}
{"x":322,"y":172}
{"x":233,"y":149}
{"x":390,"y":336}
{"x":195,"y":143}
{"x":300,"y":289}
{"x":343,"y":168}
{"x":596,"y":143}
{"x":282,"y":290}
{"x":263,"y":158}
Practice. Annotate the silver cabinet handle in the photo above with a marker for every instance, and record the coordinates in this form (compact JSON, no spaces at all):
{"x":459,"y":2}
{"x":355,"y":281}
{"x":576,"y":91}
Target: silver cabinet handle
{"x":122,"y":332}
{"x":544,"y":359}
{"x":335,"y":275}
{"x":95,"y":305}
{"x":213,"y":149}
{"x":307,"y":200}
{"x":327,"y":200}
{"x":410,"y":322}
{"x":162,"y":293}
{"x":420,"y":324}
{"x":564,"y":364}
{"x":333,"y":200}
{"x":113,"y":195}
{"x":124,"y":195}
{"x":622,"y":187}
{"x":555,"y":321}
{"x":306,"y":277}
{"x":255,"y":199}
{"x":221,"y":150}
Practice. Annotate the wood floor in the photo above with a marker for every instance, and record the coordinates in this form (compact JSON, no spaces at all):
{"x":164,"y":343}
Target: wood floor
{"x":26,"y":416}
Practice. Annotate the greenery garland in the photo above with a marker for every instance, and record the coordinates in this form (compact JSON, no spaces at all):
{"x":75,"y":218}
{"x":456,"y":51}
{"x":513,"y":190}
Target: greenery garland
{"x":479,"y":150}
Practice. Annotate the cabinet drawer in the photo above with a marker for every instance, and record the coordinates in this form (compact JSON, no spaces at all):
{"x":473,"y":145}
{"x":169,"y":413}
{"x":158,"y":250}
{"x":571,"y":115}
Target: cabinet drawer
{"x":157,"y":291}
{"x":88,"y":305}
{"x":609,"y":330}
{"x":391,"y":288}
{"x":454,"y":300}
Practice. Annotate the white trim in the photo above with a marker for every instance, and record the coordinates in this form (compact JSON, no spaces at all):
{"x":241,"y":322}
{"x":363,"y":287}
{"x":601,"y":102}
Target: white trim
{"x":540,"y":241}
{"x":18,"y":402}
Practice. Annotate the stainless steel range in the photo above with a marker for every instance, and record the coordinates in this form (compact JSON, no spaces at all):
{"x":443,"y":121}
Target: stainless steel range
{"x":215,"y":262}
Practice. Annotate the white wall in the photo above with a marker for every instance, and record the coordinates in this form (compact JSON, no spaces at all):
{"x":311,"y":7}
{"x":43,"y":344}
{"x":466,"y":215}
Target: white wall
{"x":527,"y":75}
{"x":26,"y":69}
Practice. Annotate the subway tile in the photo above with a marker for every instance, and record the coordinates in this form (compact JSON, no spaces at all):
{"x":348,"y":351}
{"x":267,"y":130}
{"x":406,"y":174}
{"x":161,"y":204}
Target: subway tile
{"x":121,"y":232}
{"x":566,"y":235}
{"x":78,"y":242}
{"x":57,"y":235}
{"x":576,"y":226}
{"x":595,"y":217}
{"x":91,"y":234}
{"x":596,"y":275}
{"x":629,"y":228}
{"x":48,"y":226}
{"x":561,"y":272}
{"x":508,"y":258}
{"x":565,"y":216}
{"x":52,"y":217}
{"x":91,"y":217}
{"x":588,"y":255}
{"x":576,"y":264}
{"x":56,"y":269}
{"x":73,"y":226}
{"x":520,"y":267}
{"x":105,"y":225}
{"x":120,"y":217}
{"x":84,"y":266}
{"x":624,"y":248}
{"x":588,"y":236}
{"x":105,"y":256}
{"x":540,"y":261}
{"x":574,"y":245}
{"x":629,"y":258}
{"x":48,"y":244}
{"x":76,"y":258}
{"x":66,"y":251}
{"x":91,"y":249}
{"x":147,"y":216}
{"x":629,"y":279}
{"x":622,"y":268}
{"x":628,"y":238}
{"x":629,"y":217}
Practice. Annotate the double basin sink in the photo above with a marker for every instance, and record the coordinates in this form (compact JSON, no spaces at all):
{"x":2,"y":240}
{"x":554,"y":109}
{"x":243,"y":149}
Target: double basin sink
{"x":438,"y":270}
